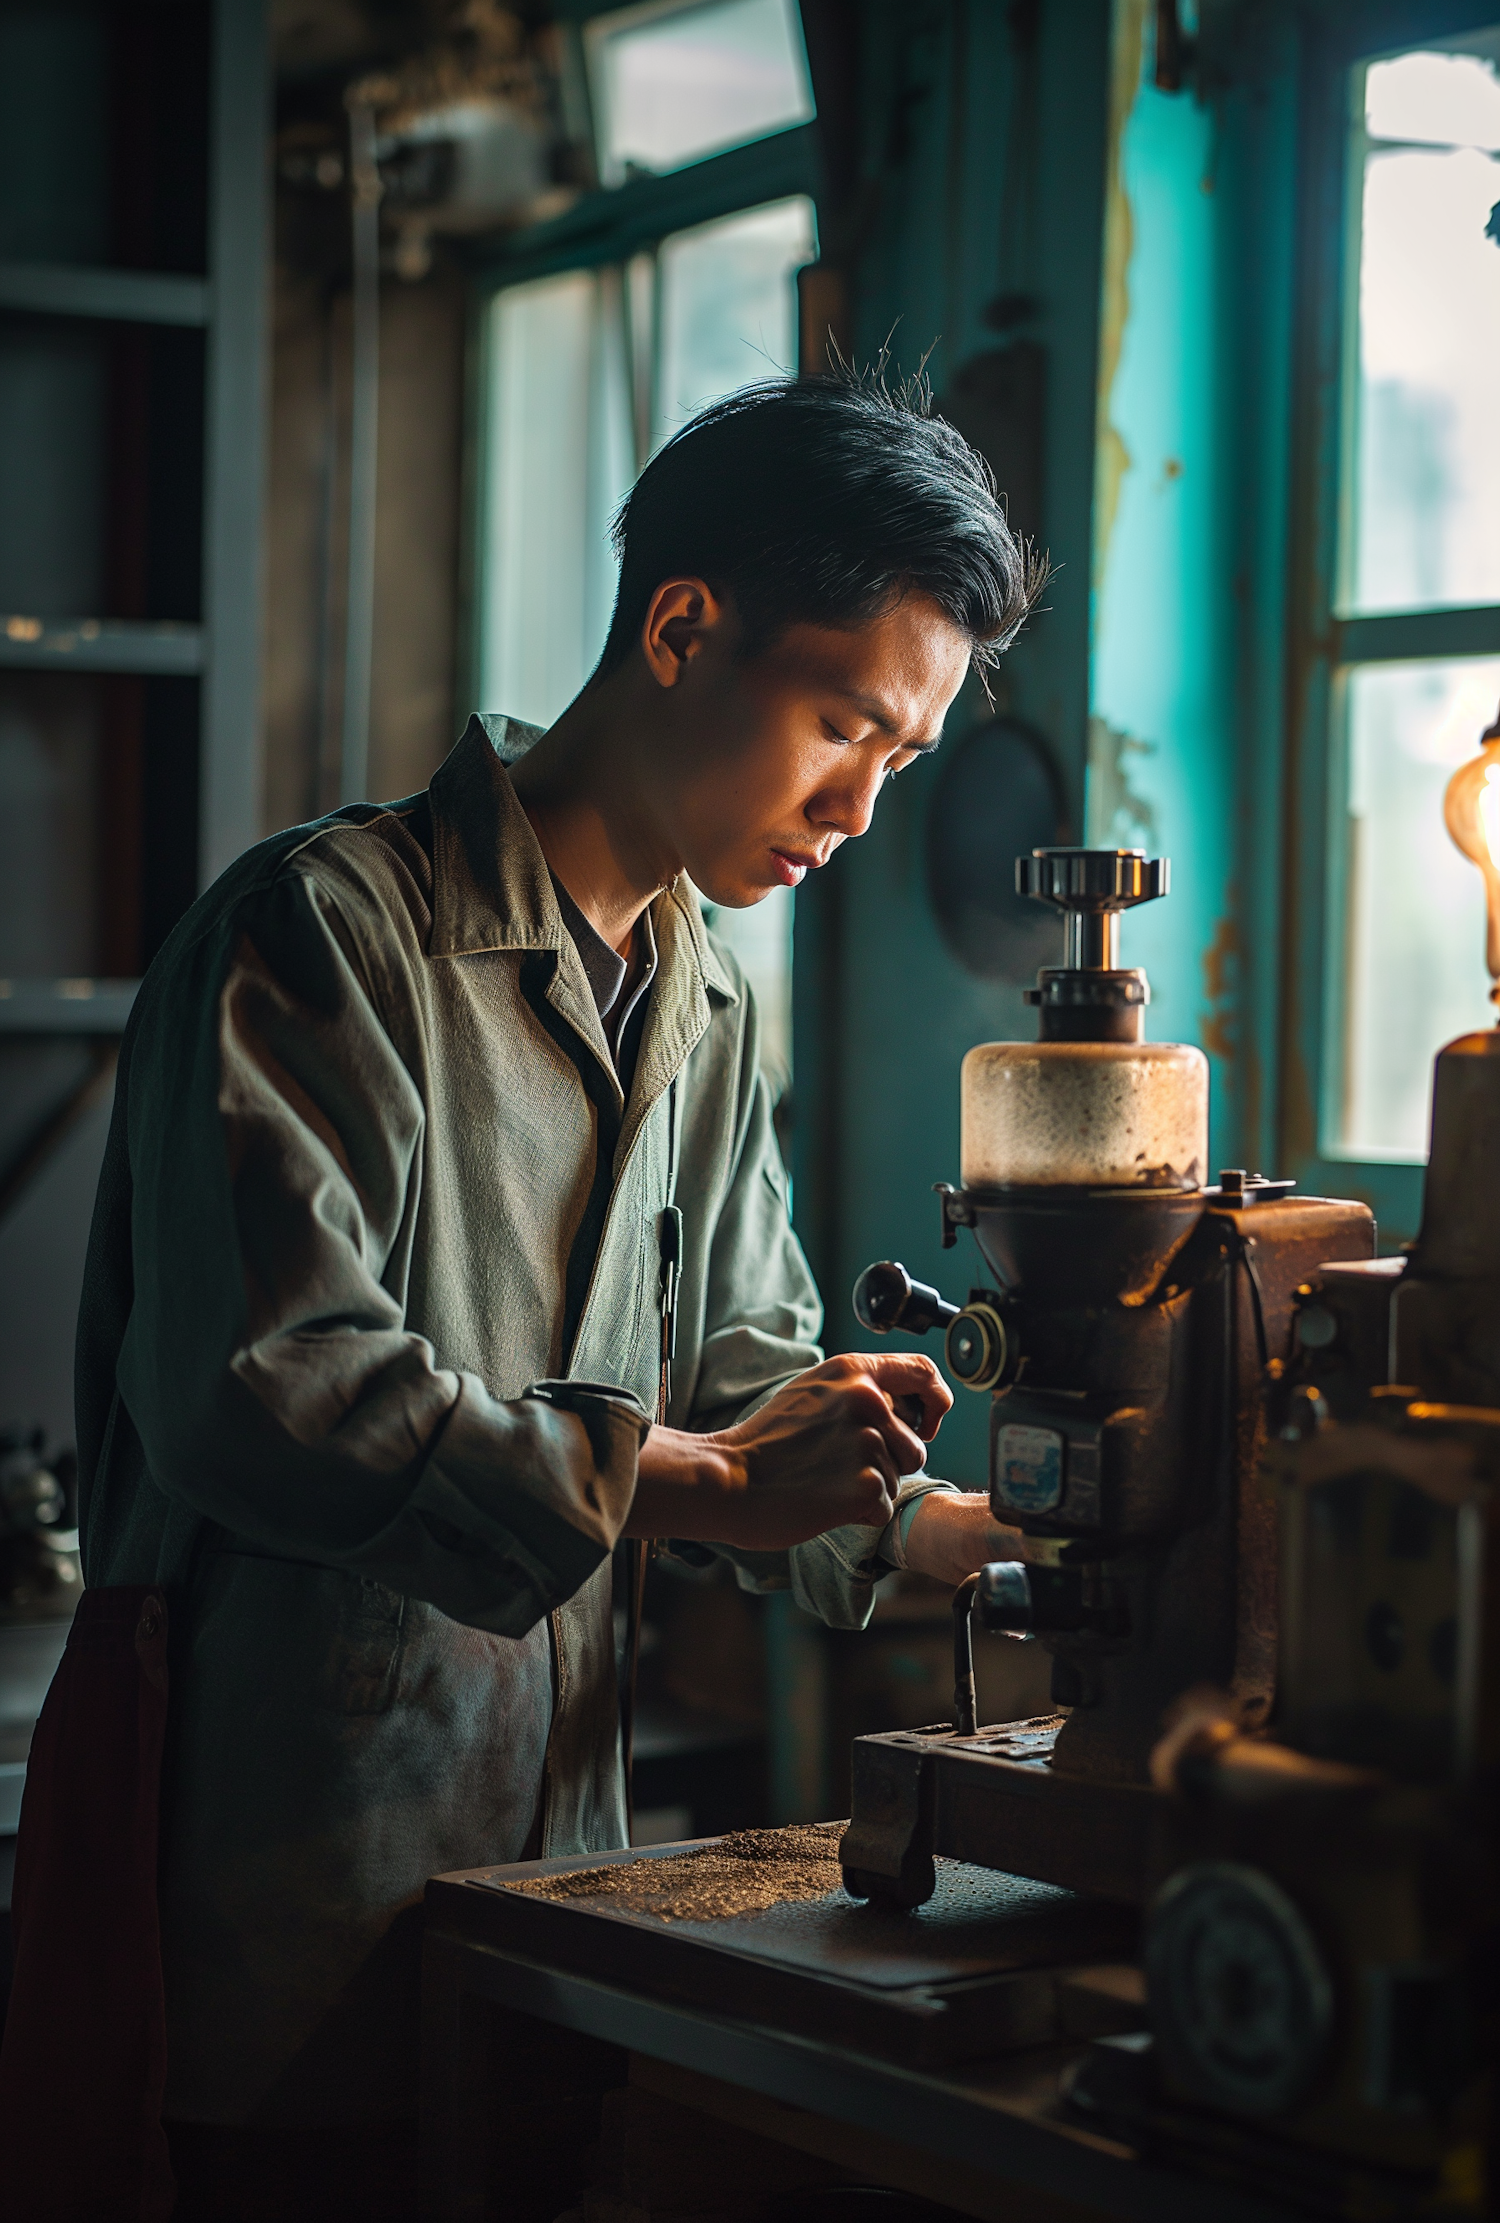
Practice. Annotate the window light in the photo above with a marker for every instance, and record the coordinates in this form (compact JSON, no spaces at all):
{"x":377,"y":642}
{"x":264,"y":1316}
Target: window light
{"x":671,"y":83}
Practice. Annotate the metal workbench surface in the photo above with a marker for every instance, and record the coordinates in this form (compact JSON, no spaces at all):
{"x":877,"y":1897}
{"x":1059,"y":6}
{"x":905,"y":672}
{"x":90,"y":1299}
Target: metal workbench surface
{"x":870,"y":2019}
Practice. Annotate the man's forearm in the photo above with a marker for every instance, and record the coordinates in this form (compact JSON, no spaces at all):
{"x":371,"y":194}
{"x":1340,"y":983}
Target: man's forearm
{"x":954,"y":1533}
{"x":680,"y":1480}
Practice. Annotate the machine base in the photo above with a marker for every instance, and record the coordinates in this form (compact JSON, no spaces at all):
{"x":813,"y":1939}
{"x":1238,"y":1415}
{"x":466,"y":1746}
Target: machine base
{"x":992,"y":1799}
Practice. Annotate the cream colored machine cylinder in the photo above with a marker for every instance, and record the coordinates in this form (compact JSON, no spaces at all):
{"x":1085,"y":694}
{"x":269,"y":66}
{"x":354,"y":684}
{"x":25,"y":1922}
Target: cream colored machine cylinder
{"x":1085,"y":1114}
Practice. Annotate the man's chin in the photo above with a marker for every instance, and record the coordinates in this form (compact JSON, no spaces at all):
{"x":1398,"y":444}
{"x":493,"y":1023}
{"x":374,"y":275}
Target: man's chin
{"x":732,"y":891}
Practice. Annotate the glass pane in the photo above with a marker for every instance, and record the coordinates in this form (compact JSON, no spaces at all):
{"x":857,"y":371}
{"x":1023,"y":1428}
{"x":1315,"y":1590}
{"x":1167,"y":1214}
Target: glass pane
{"x":1415,"y":972}
{"x":558,"y":452}
{"x":671,"y":84}
{"x":1443,"y":100}
{"x":1426,"y":510}
{"x":729,"y":306}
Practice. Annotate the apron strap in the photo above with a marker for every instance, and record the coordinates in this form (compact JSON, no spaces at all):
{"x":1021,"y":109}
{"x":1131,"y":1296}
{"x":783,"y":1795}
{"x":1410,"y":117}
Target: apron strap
{"x":84,"y":2058}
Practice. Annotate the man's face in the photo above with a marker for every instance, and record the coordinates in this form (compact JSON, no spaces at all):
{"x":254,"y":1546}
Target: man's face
{"x":775,"y":758}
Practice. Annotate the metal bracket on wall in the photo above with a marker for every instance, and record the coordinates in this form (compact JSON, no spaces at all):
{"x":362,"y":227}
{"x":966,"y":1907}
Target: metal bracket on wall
{"x":1176,"y":49}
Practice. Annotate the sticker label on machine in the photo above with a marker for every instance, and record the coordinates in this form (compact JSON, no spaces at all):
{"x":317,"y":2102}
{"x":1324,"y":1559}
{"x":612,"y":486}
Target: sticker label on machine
{"x":1029,"y":1467}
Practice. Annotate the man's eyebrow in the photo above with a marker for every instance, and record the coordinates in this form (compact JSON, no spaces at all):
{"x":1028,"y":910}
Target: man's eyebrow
{"x":875,"y":710}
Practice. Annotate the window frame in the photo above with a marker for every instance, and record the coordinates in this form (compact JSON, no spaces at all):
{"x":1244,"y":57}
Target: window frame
{"x":597,"y":22}
{"x":1324,"y":647}
{"x":606,"y":226}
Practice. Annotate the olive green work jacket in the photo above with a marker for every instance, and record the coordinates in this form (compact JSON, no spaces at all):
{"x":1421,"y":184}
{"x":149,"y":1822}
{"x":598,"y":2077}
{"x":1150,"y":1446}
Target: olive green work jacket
{"x":369,"y":1160}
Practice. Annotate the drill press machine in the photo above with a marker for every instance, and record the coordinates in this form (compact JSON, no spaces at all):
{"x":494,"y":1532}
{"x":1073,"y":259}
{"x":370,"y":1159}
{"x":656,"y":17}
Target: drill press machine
{"x":1259,"y":1474}
{"x":1123,"y":1338}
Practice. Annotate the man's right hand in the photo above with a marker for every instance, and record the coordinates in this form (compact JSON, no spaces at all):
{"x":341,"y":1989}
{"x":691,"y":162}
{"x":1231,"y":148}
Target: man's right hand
{"x":827,"y":1450}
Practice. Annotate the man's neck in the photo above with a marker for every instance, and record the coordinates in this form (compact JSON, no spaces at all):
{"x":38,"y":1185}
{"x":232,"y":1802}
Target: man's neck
{"x":578,"y":786}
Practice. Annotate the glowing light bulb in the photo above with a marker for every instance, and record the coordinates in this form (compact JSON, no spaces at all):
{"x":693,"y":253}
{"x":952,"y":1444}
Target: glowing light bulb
{"x":1489,"y":811}
{"x":1471,"y":812}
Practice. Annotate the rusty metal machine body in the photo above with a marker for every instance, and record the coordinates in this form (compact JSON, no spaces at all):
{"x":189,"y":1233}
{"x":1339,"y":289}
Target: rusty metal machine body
{"x":1123,"y":1343}
{"x":1323,"y":1939}
{"x":1259,"y":1468}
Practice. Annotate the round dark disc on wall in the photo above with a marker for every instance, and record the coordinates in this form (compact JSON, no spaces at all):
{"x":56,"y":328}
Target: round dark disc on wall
{"x":997,"y":797}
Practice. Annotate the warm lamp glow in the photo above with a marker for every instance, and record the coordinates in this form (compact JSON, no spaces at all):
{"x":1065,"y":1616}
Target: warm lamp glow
{"x":1471,"y":812}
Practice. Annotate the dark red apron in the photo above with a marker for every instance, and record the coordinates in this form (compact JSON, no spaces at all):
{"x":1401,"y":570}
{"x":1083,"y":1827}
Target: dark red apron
{"x":84,"y":2058}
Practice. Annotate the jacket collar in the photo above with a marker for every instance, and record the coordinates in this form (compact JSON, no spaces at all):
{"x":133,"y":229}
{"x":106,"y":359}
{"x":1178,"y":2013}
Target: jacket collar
{"x":491,"y":890}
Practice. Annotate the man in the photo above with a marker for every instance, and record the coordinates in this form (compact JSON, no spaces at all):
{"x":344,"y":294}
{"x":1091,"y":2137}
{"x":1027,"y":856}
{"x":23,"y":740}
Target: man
{"x":407,"y":1108}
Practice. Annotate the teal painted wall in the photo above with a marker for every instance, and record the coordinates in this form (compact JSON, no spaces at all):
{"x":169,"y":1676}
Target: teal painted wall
{"x":955,"y":116}
{"x":1161,"y":684}
{"x":1190,"y":547}
{"x":1157,"y":232}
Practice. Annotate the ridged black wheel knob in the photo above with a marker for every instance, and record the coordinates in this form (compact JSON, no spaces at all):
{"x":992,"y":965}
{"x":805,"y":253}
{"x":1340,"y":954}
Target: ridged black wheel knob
{"x":1093,"y":879}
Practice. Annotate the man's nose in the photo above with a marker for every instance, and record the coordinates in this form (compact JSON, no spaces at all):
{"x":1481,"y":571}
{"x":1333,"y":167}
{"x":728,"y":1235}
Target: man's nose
{"x":851,"y":804}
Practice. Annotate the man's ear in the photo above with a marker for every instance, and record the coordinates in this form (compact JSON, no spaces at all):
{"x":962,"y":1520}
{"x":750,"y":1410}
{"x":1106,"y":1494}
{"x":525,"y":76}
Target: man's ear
{"x":680,"y":618}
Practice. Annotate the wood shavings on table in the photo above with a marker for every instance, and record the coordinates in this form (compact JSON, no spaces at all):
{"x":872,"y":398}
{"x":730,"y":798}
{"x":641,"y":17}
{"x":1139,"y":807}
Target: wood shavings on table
{"x":743,"y":1873}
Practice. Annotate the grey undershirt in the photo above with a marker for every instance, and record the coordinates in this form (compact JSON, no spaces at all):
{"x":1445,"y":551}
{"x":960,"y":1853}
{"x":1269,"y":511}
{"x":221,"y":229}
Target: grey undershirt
{"x":622,"y":1011}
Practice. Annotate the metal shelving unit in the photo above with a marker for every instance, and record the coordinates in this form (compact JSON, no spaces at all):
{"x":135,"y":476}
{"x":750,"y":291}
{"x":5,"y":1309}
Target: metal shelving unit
{"x":124,"y":296}
{"x":231,"y":305}
{"x":99,"y":645}
{"x":70,"y":1007}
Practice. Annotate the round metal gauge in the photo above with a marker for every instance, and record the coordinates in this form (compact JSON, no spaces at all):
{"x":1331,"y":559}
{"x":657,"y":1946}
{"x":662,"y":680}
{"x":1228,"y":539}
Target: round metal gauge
{"x":977,"y":1347}
{"x":1241,"y":2000}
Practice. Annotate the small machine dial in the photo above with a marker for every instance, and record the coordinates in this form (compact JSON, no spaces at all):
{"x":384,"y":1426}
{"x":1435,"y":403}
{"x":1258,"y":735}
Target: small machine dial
{"x":977,"y":1346}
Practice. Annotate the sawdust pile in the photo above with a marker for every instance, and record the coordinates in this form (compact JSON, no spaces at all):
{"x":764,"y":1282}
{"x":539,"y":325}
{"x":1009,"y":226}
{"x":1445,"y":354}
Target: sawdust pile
{"x":743,"y":1873}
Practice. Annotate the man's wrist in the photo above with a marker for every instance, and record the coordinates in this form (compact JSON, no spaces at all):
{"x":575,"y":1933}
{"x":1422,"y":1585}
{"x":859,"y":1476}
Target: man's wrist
{"x":954,"y":1534}
{"x":685,"y":1484}
{"x":725,"y":1466}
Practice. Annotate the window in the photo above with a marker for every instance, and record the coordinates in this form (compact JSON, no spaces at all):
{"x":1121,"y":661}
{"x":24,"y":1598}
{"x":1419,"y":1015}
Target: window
{"x":1414,"y":909}
{"x":560,"y":457}
{"x":588,"y":372}
{"x":1425,"y":530}
{"x":672,"y":83}
{"x":1416,"y":601}
{"x":591,"y":359}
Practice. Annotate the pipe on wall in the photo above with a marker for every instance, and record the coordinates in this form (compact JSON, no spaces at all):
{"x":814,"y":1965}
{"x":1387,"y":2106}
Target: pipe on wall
{"x":364,"y":433}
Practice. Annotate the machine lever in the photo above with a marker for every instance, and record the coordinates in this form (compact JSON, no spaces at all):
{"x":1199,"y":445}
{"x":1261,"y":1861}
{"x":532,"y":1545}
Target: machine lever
{"x":1019,"y":1600}
{"x":886,"y":1297}
{"x":965,"y":1700}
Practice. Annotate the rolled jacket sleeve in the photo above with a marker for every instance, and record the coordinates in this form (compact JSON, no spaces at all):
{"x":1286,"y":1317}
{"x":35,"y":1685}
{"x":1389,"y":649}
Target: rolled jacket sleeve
{"x":276,"y":1154}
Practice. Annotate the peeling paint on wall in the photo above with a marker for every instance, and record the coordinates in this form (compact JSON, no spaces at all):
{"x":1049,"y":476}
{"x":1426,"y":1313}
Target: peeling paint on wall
{"x":1299,"y":1108}
{"x":1118,"y":816}
{"x":1112,"y":456}
{"x":1218,"y":1031}
{"x":1162,"y":674}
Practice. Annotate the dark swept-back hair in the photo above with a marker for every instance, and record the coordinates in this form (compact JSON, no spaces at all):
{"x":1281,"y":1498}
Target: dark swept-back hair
{"x":822,"y":501}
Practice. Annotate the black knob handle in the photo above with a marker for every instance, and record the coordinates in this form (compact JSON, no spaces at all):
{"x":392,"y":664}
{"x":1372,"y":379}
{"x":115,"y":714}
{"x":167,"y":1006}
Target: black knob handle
{"x":886,"y":1297}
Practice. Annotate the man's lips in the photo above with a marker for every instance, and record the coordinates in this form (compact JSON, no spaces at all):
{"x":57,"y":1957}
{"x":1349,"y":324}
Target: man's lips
{"x":793,"y":865}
